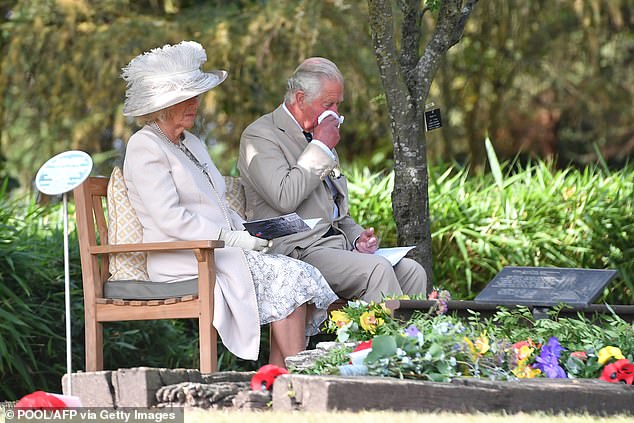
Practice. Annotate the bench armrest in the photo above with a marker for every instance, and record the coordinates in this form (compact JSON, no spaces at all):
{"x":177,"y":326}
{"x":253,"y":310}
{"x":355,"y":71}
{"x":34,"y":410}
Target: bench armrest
{"x":155,"y":246}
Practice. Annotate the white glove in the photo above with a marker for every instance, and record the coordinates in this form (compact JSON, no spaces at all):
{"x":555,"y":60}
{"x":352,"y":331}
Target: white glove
{"x":244,"y":240}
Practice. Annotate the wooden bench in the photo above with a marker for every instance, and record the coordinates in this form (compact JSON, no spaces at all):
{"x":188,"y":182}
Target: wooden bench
{"x":94,"y":250}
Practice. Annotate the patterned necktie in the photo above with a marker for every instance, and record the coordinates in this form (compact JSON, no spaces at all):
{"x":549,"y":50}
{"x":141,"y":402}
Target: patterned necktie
{"x":308,"y":136}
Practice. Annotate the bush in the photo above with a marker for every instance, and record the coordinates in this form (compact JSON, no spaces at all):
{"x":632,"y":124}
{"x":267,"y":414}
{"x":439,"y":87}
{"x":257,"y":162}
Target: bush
{"x":371,"y":202}
{"x":32,"y":347}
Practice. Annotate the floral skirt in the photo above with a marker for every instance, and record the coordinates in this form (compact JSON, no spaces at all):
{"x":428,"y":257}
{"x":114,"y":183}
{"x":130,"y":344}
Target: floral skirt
{"x":282,"y":284}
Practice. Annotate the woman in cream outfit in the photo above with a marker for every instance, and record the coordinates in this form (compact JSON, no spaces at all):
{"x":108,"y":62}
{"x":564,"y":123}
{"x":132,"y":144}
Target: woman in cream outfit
{"x":179,"y":194}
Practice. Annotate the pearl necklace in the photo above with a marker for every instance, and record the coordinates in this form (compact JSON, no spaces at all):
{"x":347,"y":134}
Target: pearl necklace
{"x":202,"y":167}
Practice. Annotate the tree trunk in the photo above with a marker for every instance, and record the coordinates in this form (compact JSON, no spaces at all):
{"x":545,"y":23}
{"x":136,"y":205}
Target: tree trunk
{"x":406,"y":77}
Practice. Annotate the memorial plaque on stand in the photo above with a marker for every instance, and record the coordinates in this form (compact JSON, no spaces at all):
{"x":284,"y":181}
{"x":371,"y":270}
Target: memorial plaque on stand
{"x":545,"y":286}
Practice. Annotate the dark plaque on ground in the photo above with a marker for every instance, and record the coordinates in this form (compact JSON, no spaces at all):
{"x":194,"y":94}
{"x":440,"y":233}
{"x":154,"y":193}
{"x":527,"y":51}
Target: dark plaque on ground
{"x":545,"y":286}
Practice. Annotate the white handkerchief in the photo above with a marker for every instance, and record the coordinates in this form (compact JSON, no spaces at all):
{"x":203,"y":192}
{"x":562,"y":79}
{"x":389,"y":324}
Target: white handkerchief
{"x":328,"y":113}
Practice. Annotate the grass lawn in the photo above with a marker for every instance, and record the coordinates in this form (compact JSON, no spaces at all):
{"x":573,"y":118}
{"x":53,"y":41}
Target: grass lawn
{"x":203,"y":416}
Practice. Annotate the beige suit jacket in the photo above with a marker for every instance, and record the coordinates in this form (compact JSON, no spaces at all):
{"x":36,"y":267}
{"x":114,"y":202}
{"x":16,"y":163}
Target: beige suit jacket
{"x":282,"y":173}
{"x":174,"y":201}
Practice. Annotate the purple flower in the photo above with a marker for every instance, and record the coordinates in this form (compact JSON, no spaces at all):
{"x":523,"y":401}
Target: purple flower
{"x":444,"y":295}
{"x":553,"y":347}
{"x":412,"y":331}
{"x":548,"y":360}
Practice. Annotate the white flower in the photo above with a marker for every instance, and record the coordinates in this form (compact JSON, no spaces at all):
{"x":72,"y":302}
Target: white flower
{"x":356,"y":304}
{"x":420,"y":339}
{"x":342,"y":332}
{"x":442,"y":328}
{"x":357,"y":357}
{"x":342,"y":335}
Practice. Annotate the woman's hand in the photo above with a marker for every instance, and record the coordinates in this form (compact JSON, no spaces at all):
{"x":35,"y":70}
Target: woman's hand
{"x":244,"y":240}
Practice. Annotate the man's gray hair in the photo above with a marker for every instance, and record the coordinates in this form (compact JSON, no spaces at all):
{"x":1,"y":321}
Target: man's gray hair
{"x":309,"y":76}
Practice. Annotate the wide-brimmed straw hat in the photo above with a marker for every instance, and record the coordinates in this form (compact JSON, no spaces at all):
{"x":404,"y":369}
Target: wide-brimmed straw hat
{"x":166,"y":76}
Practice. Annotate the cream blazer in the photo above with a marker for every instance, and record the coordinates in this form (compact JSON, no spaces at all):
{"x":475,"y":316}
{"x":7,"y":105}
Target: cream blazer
{"x":174,"y":201}
{"x":282,"y":173}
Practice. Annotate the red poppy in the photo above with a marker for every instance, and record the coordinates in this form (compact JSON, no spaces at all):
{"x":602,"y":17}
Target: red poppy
{"x":40,"y":400}
{"x":263,"y":379}
{"x":619,"y":371}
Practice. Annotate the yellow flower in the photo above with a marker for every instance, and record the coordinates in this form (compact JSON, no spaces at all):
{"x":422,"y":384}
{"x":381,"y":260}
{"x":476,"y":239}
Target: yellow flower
{"x":523,"y":350}
{"x":609,"y":352}
{"x":340,"y":318}
{"x":369,"y":322}
{"x":482,"y":343}
{"x":523,"y":371}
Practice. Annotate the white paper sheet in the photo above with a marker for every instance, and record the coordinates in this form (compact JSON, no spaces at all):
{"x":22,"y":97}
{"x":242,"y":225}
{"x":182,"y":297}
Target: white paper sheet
{"x":394,"y":254}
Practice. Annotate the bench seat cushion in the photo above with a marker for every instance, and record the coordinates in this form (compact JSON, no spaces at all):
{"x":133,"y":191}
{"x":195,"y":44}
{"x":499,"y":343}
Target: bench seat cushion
{"x":145,"y":290}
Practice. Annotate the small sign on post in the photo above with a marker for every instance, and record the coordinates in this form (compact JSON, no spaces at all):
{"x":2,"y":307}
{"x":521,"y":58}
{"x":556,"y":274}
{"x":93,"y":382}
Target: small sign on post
{"x":545,"y":286}
{"x":63,"y":172}
{"x":60,"y":174}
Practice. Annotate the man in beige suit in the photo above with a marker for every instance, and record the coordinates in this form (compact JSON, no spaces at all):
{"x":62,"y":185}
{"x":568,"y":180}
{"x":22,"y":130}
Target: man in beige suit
{"x":288,"y":164}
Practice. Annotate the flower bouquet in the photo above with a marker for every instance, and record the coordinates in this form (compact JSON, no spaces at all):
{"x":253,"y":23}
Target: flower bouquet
{"x":510,"y":345}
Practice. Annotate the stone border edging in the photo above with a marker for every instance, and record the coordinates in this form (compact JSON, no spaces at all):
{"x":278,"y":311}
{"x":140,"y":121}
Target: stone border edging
{"x":328,"y":393}
{"x":138,"y":387}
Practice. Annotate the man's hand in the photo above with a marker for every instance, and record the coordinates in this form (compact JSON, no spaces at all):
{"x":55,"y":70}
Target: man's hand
{"x":327,"y":132}
{"x":367,"y":242}
{"x":244,"y":240}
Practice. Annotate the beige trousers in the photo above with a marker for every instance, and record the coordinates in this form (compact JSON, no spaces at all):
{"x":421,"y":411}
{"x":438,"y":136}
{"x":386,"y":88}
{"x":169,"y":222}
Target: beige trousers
{"x":356,"y":275}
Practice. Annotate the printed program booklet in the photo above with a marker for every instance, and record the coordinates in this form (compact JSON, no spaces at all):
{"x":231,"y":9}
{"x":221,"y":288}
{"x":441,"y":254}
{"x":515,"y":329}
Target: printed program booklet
{"x":275,"y":227}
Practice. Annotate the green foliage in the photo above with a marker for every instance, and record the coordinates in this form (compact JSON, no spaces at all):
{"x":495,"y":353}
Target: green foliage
{"x":31,"y":298}
{"x":370,"y":198}
{"x":59,"y":71}
{"x":509,"y":77}
{"x":515,"y":77}
{"x":432,"y":4}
